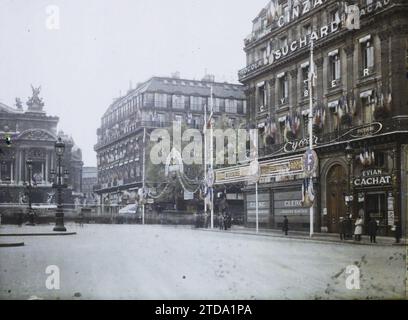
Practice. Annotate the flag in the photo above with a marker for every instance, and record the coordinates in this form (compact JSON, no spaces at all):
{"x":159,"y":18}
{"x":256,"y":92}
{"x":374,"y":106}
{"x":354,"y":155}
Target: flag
{"x":310,"y":191}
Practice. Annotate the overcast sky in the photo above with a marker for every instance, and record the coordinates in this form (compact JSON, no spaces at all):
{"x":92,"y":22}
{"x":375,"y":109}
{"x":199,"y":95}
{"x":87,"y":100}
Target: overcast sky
{"x":102,"y":45}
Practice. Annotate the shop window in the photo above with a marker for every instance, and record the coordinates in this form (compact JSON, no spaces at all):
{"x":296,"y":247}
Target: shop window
{"x":379,"y":160}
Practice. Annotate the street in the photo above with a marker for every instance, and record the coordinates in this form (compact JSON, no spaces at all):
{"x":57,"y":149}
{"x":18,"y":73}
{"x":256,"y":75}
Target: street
{"x":155,"y":262}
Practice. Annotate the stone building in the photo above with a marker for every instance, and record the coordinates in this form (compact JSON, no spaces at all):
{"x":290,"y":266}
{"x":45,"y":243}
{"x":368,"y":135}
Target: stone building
{"x":360,"y":99}
{"x":33,"y":134}
{"x":156,"y":103}
{"x":89,"y":181}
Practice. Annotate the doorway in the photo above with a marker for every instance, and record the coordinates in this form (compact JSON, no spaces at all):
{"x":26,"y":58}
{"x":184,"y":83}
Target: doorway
{"x":336,"y":190}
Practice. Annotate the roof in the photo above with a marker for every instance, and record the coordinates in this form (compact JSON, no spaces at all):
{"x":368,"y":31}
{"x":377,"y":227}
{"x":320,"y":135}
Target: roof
{"x":184,"y":87}
{"x":7,"y":109}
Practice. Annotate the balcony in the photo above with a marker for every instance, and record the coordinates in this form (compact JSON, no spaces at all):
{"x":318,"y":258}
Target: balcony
{"x":352,"y":133}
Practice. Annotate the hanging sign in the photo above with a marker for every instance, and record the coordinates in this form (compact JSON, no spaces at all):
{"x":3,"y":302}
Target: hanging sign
{"x":310,"y":162}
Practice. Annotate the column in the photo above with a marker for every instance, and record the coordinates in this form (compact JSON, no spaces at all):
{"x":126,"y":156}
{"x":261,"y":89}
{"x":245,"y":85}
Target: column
{"x":398,"y":70}
{"x":293,"y":88}
{"x":318,"y":94}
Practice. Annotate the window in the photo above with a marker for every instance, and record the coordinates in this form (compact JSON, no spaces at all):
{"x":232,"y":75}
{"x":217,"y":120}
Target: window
{"x":178,"y":101}
{"x":335,"y":16}
{"x":367,"y":51}
{"x":286,"y":13}
{"x":305,"y":80}
{"x":197,"y":121}
{"x":178,"y":118}
{"x":196,"y":103}
{"x":283,"y":89}
{"x":335,"y":71}
{"x":160,"y":100}
{"x":148,"y":100}
{"x":367,"y":109}
{"x":230,"y":106}
{"x":219,"y":104}
{"x":307,"y":29}
{"x":261,"y":97}
{"x":283,"y":42}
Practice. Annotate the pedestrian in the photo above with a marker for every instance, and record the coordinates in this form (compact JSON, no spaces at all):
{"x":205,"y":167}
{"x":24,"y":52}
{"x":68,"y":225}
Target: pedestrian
{"x":285,"y":227}
{"x":397,"y":232}
{"x":372,"y":230}
{"x":342,"y":228}
{"x":349,"y":227}
{"x":358,"y":231}
{"x":20,"y":218}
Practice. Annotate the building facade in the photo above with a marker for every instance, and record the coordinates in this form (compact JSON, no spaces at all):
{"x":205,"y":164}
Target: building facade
{"x":360,"y":100}
{"x":89,"y":181}
{"x":33,"y":134}
{"x":156,"y":103}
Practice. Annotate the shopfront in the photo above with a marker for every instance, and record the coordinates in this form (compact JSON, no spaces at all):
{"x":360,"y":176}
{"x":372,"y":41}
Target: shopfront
{"x":374,"y":198}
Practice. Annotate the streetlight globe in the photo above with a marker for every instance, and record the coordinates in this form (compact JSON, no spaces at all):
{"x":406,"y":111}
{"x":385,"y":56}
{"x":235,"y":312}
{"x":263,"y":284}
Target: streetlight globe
{"x":59,"y":147}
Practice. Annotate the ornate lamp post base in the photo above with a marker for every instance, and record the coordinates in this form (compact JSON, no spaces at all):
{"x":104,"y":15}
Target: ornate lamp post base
{"x":59,"y":229}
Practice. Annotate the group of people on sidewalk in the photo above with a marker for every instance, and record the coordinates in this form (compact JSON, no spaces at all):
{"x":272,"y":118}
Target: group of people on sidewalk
{"x":346,"y":227}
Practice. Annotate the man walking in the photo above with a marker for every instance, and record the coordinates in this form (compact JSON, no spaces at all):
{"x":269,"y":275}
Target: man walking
{"x":285,"y":227}
{"x":372,"y":230}
{"x":342,"y":228}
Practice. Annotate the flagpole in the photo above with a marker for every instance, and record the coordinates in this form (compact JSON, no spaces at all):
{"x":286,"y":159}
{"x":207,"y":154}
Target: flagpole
{"x":311,"y":80}
{"x":212,"y":158}
{"x":205,"y":158}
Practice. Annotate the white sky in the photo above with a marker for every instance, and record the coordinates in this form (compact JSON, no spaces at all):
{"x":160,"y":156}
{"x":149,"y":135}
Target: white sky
{"x":102,"y":45}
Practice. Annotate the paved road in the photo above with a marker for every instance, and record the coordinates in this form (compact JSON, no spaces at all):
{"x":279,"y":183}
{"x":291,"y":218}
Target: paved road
{"x":162,"y":262}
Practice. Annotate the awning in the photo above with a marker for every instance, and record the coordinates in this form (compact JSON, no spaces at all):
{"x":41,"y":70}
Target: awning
{"x":333,"y":53}
{"x":280,"y":75}
{"x":260,"y":84}
{"x":282,"y":119}
{"x":129,"y":209}
{"x":366,"y":94}
{"x":365,"y":39}
{"x":333,"y":104}
{"x":305,"y":64}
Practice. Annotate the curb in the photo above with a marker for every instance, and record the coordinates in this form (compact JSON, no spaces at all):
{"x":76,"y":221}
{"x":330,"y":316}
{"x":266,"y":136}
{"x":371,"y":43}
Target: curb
{"x":14,"y":244}
{"x":37,"y":234}
{"x":348,"y":242}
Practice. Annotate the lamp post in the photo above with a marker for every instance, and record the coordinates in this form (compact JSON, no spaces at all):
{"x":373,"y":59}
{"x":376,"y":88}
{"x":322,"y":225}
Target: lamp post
{"x":59,"y":184}
{"x":29,"y":164}
{"x":349,"y":156}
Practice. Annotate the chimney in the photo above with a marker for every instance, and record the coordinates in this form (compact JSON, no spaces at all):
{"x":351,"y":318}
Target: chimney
{"x":208,"y":78}
{"x":175,"y":75}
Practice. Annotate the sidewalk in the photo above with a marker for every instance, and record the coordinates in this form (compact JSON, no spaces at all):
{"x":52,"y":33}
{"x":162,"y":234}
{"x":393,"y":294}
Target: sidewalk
{"x":37,"y":230}
{"x":317,"y":237}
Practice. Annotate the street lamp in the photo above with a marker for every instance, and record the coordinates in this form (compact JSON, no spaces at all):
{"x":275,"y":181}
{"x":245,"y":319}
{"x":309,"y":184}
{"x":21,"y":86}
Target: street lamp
{"x":59,"y":184}
{"x":29,"y":164}
{"x":349,"y":156}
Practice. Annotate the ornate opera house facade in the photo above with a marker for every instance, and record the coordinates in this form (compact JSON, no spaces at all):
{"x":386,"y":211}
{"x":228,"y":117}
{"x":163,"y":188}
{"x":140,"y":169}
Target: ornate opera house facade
{"x":360,"y":111}
{"x":33,"y":134}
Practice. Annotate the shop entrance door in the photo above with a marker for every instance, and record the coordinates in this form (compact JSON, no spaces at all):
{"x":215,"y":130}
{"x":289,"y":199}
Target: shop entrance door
{"x":336,"y":189}
{"x":376,"y":208}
